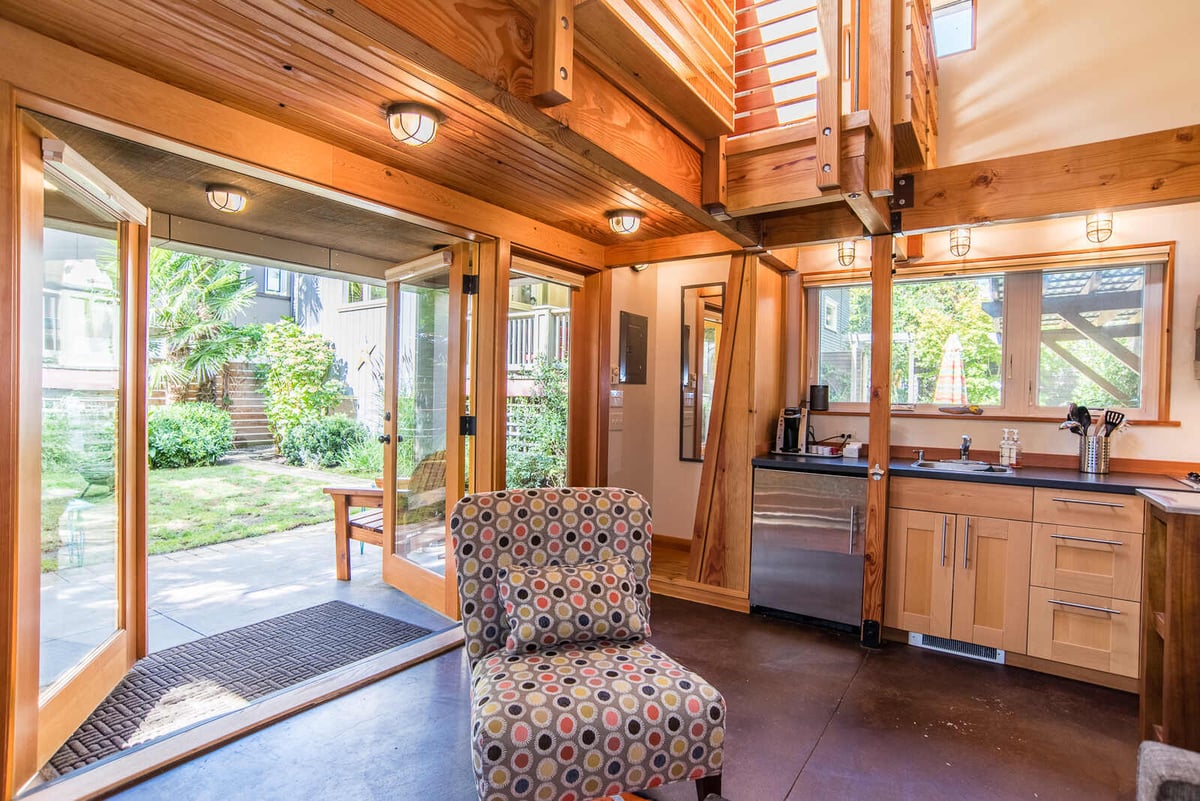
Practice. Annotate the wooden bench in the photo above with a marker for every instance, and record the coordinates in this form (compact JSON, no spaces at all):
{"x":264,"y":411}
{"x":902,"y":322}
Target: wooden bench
{"x":366,"y":526}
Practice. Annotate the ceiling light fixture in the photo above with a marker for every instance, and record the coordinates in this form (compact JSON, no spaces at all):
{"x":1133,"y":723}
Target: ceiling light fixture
{"x":960,"y":241}
{"x":624,"y":221}
{"x":413,"y":123}
{"x":1099,"y":226}
{"x":845,"y":253}
{"x":224,"y":198}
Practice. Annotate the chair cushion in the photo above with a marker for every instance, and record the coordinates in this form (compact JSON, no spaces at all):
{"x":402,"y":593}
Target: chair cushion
{"x":582,"y":721}
{"x":556,"y":604}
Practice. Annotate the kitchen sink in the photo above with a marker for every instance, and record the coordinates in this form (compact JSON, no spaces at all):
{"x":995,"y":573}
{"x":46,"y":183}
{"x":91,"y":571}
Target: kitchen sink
{"x":962,"y":466}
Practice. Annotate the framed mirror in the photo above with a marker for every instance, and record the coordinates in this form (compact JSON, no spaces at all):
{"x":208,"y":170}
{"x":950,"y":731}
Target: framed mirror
{"x":701,"y":313}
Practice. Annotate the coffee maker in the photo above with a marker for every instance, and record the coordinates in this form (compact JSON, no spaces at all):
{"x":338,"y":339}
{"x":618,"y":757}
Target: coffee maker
{"x":791,"y":432}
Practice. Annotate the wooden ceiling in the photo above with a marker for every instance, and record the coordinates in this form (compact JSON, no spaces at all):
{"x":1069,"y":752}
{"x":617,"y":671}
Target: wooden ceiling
{"x":330,"y":69}
{"x":175,"y":185}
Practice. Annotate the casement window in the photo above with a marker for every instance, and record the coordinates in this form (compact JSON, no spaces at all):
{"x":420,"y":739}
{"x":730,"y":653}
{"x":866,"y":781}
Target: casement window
{"x":277,"y":281}
{"x":357,"y":292}
{"x":1017,"y":340}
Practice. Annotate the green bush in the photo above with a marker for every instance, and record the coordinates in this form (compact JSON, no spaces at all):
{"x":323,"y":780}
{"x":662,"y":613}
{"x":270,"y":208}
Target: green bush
{"x":188,"y":434}
{"x":300,"y":385}
{"x":364,"y":459}
{"x":57,"y":453}
{"x":324,"y":441}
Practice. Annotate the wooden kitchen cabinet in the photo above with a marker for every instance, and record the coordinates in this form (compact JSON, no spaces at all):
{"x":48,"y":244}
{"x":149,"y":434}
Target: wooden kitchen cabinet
{"x":954,"y":574}
{"x":1085,"y":594}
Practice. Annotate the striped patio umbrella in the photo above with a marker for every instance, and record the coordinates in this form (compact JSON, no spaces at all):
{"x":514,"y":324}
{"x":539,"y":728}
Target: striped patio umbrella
{"x":951,"y":384}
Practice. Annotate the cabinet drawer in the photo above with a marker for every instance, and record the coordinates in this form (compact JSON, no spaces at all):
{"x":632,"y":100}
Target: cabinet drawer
{"x":962,"y":497}
{"x":1087,"y":560}
{"x":1091,"y":631}
{"x":1088,"y":509}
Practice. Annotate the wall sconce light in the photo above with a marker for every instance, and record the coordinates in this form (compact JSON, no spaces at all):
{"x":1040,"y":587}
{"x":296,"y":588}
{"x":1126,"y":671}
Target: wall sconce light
{"x":413,"y":123}
{"x":1099,"y":226}
{"x":624,"y":221}
{"x":845,"y":252}
{"x":960,"y":241}
{"x":229,"y":199}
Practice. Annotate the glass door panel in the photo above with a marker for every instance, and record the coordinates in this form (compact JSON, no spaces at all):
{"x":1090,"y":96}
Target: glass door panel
{"x":425,"y":458}
{"x":81,"y":393}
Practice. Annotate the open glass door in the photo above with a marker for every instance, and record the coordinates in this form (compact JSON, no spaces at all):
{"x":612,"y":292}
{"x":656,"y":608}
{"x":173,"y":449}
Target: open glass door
{"x":426,"y":396}
{"x":83,"y":252}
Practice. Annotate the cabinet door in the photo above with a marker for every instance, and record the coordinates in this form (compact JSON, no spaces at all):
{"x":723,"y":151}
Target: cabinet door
{"x":991,"y":582}
{"x":920,"y":571}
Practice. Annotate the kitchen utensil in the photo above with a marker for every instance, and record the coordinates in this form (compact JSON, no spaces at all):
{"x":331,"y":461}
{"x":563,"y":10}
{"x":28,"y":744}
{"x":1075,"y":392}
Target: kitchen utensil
{"x":1072,"y":426}
{"x":1112,"y":419}
{"x":1084,"y":417}
{"x":1071,"y":411}
{"x":972,"y":409}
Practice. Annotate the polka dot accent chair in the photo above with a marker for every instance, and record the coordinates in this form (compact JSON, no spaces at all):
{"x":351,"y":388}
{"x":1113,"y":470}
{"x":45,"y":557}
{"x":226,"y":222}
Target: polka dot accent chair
{"x":574,"y":720}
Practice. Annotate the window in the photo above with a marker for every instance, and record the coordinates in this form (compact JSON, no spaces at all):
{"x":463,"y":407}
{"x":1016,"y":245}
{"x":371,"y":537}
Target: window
{"x":357,"y":292}
{"x":831,"y":314}
{"x":953,"y":27}
{"x":276,"y":281}
{"x":1022,"y":342}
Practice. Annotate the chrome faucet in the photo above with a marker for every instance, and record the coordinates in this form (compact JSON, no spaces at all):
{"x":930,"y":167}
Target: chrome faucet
{"x":964,"y":450}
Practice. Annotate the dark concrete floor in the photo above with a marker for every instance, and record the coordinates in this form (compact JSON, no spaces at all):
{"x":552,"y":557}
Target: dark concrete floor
{"x":812,"y":717}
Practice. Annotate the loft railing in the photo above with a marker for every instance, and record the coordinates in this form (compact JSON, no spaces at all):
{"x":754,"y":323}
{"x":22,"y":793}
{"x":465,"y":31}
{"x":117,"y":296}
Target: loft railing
{"x":542,"y":331}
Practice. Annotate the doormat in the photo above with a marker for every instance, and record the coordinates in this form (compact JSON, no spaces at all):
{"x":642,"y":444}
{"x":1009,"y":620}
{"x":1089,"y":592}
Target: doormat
{"x":176,"y":687}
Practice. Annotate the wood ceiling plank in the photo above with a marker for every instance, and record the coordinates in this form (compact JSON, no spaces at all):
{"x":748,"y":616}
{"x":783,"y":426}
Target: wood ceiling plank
{"x":1141,"y":171}
{"x":676,"y":248}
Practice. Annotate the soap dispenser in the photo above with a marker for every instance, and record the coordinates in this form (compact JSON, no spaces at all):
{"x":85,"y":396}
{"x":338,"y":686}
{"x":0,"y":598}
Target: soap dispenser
{"x":1014,"y":459}
{"x":1005,"y":448}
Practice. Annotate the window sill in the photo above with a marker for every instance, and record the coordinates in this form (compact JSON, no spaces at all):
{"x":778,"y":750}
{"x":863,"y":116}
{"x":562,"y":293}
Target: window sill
{"x":985,"y":416}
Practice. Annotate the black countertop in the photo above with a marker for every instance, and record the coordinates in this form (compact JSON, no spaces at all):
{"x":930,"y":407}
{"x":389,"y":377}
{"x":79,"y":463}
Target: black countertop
{"x":1051,"y":477}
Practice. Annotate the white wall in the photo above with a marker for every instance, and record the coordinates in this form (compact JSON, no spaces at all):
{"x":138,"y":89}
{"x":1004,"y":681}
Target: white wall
{"x":643,"y":440}
{"x":1172,"y":443}
{"x":1056,"y":73}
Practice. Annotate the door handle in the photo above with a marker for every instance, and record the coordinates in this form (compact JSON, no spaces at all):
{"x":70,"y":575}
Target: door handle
{"x":945,"y":522}
{"x":853,"y":509}
{"x":967,"y":544}
{"x":385,"y":438}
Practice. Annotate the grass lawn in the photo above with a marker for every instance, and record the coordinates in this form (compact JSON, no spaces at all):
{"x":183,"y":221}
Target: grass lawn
{"x":193,"y":506}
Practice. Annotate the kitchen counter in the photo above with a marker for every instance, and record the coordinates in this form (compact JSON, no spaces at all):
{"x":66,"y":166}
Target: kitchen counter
{"x":1051,"y":477}
{"x":1172,"y":502}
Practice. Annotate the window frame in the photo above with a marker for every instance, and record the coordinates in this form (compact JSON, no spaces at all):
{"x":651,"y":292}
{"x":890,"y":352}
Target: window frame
{"x":284,"y":288}
{"x":939,"y":6}
{"x":1020,"y":345}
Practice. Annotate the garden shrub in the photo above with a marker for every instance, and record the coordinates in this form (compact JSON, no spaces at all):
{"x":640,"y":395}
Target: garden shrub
{"x":188,"y":434}
{"x":364,"y":459}
{"x":299,"y":384}
{"x":323,"y":441}
{"x":537,"y":450}
{"x":57,"y":453}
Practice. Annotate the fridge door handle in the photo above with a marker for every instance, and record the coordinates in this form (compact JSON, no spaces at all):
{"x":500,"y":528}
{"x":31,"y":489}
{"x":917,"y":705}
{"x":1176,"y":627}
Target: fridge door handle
{"x":853,"y":509}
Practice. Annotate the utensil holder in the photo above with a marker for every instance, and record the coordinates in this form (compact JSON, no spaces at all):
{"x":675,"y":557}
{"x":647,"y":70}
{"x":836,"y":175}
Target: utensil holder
{"x":1093,"y":454}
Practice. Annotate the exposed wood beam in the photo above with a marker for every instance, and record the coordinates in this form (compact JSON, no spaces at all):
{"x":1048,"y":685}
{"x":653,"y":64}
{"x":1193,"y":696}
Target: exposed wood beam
{"x":672,"y":248}
{"x":714,"y":191}
{"x":1153,"y":169}
{"x":811,"y":226}
{"x":880,"y":440}
{"x":829,"y":96}
{"x":872,"y":211}
{"x":782,"y":260}
{"x":554,"y":53}
{"x":783,"y":178}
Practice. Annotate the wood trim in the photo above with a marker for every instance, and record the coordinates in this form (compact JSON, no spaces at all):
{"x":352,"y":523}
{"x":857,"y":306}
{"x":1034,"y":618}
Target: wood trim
{"x":112,"y":775}
{"x":829,"y":96}
{"x":671,"y":248}
{"x":1111,"y":680}
{"x":1147,"y":170}
{"x":124,"y":103}
{"x":688,"y":590}
{"x":875,"y":538}
{"x":588,"y":392}
{"x":79,"y":693}
{"x":134,"y":598}
{"x":491,"y":367}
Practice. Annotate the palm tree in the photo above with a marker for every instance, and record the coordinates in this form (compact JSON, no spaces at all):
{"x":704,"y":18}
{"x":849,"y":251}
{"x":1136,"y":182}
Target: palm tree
{"x":193,"y":301}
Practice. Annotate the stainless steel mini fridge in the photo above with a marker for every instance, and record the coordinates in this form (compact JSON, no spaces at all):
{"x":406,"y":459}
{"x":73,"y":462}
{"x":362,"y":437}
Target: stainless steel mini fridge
{"x":806,"y":548}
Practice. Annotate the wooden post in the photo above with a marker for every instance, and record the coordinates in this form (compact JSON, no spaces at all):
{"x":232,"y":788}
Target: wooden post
{"x":714,"y":178}
{"x":491,"y":369}
{"x":554,"y":52}
{"x":875,"y":541}
{"x":135,"y":464}
{"x":829,"y":95}
{"x":587,"y":424}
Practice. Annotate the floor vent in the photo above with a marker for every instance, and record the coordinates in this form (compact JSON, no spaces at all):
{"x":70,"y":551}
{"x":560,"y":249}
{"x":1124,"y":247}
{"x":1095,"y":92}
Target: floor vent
{"x":983,"y":653}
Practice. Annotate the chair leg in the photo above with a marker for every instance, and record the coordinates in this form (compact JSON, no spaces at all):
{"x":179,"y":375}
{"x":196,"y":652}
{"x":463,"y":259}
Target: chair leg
{"x":709,"y":785}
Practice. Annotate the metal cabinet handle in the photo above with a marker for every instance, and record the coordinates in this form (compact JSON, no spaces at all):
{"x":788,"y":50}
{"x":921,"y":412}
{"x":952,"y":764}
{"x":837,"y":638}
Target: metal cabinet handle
{"x":853,"y":509}
{"x":1084,"y":606}
{"x":967,"y":544}
{"x":945,"y":522}
{"x":1091,"y":503}
{"x":1086,"y":539}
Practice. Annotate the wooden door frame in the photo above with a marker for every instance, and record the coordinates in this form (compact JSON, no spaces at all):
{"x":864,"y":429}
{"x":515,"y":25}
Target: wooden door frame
{"x":35,"y":727}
